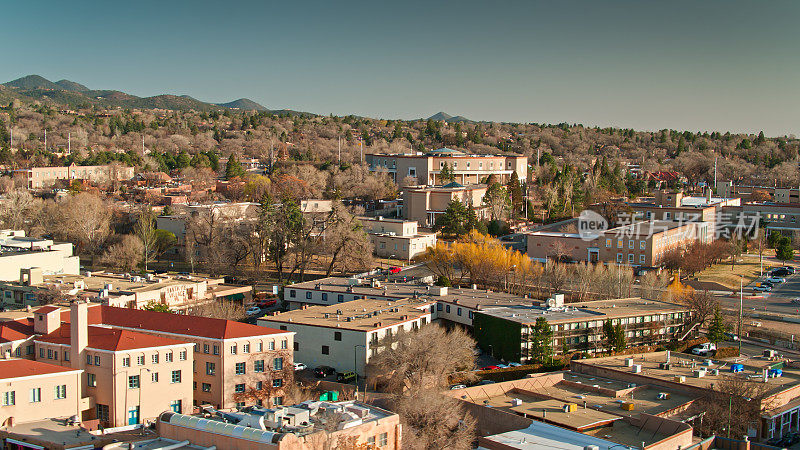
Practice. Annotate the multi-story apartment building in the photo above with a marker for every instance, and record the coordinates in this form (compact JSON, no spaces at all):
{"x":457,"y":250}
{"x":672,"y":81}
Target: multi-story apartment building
{"x":306,"y":426}
{"x":643,"y":243}
{"x":42,"y":177}
{"x":669,"y":205}
{"x":397,"y":238}
{"x":132,"y":377}
{"x":468,"y":169}
{"x":32,"y":391}
{"x":505,"y":331}
{"x":782,"y":195}
{"x":179,"y":293}
{"x":346,"y":335}
{"x":18,"y":251}
{"x":425,"y":203}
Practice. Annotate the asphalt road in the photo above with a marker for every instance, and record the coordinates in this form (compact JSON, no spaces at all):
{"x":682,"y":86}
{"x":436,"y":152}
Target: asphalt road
{"x":777,"y":301}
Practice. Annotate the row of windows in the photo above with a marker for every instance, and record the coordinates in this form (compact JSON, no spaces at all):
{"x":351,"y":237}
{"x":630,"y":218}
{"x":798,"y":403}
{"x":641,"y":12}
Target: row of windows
{"x":447,"y":309}
{"x":134,"y":381}
{"x":240,"y":388}
{"x":34,"y":395}
{"x":46,"y":353}
{"x":631,"y":244}
{"x":241,"y":367}
{"x":140,"y":360}
{"x":631,"y":258}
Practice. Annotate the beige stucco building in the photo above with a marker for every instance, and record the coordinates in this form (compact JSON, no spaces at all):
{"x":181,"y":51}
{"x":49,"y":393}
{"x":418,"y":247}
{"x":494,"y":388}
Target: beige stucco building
{"x":19,"y":252}
{"x":468,"y":169}
{"x":424,"y":204}
{"x":32,"y":390}
{"x":42,"y":177}
{"x":397,"y":238}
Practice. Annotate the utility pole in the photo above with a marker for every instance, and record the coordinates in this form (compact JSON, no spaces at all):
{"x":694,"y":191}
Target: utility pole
{"x":142,"y":144}
{"x":361,"y":146}
{"x":45,"y":139}
{"x":69,"y":143}
{"x":340,"y":149}
{"x":715,"y":172}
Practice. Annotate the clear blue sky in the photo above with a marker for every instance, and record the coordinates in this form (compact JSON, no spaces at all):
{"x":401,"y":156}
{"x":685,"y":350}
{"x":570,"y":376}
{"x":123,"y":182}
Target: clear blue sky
{"x":696,"y":65}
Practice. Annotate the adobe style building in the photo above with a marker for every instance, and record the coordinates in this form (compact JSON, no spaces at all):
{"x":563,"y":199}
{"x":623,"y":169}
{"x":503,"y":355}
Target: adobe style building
{"x":43,"y":177}
{"x":137,"y":364}
{"x":32,"y":390}
{"x":424,"y":204}
{"x":400,"y":239}
{"x":307,"y":426}
{"x":671,"y":205}
{"x":179,"y":293}
{"x":344,"y":336}
{"x":643,"y":243}
{"x":468,"y":169}
{"x":18,"y":251}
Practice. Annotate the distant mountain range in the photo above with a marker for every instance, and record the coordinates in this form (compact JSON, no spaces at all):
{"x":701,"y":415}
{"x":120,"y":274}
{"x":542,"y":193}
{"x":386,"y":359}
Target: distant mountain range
{"x":75,"y":95}
{"x":448,"y":118}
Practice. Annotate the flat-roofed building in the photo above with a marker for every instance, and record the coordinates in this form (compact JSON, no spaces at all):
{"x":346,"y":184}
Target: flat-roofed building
{"x":42,"y":177}
{"x":505,"y":331}
{"x":346,"y":335}
{"x":467,"y":168}
{"x":178,"y":292}
{"x":305,"y":426}
{"x":18,"y":252}
{"x":397,"y":238}
{"x":33,"y":390}
{"x":424,"y":204}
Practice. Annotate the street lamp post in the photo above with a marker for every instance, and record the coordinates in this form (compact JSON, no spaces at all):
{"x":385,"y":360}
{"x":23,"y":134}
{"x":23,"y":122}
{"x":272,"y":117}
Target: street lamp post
{"x":355,"y":363}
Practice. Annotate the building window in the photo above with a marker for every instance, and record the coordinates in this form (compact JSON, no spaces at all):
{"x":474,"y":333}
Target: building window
{"x":206,"y":387}
{"x":260,"y":347}
{"x":239,"y":388}
{"x":292,"y":293}
{"x":140,"y":360}
{"x":216,"y":349}
{"x":154,"y":358}
{"x":383,"y":439}
{"x":133,"y":382}
{"x":271,"y":345}
{"x":182,"y":355}
{"x":284,"y":344}
{"x":258,"y":366}
{"x":29,"y":350}
{"x":240,"y":368}
{"x":619,"y":257}
{"x":168,"y":357}
{"x":205,"y":348}
{"x":89,"y":359}
{"x":96,"y":360}
{"x":340,"y":298}
{"x":102,"y":412}
{"x":41,"y":352}
{"x":176,"y":376}
{"x":447,"y":309}
{"x":642,"y":245}
{"x":308,"y":295}
{"x":608,"y":243}
{"x":438,"y":306}
{"x":61,"y":392}
{"x":176,"y":406}
{"x":49,"y":353}
{"x":630,"y":257}
{"x":458,"y":311}
{"x":619,"y":243}
{"x":325,"y":350}
{"x":245,"y":348}
{"x":277,"y":364}
{"x":641,"y":259}
{"x":277,"y":382}
{"x":233,"y":349}
{"x":154,"y":377}
{"x":337,"y":335}
{"x":324,"y":297}
{"x":91,"y":380}
{"x":126,"y":361}
{"x":210,"y":368}
{"x":9,"y":398}
{"x":630,"y":244}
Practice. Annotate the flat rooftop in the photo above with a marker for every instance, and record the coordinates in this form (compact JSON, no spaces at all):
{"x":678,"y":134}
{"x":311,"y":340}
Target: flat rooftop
{"x":470,"y":298}
{"x":585,"y":311}
{"x":685,"y":365}
{"x":121,"y":283}
{"x":359,"y":315}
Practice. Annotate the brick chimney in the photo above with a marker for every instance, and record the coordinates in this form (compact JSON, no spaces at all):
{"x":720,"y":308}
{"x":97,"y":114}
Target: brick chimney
{"x":79,"y":332}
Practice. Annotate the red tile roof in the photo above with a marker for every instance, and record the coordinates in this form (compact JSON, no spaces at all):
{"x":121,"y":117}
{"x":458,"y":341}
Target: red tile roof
{"x":172,"y":323}
{"x":15,"y":330}
{"x":15,"y":368}
{"x":103,"y":338}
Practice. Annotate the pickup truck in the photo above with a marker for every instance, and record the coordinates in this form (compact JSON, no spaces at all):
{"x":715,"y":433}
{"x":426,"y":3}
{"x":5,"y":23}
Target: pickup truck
{"x":705,"y":349}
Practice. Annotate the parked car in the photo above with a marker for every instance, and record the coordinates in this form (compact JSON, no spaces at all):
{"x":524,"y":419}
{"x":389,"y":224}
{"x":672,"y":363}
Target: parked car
{"x":503,"y":366}
{"x":490,"y":368}
{"x":345,"y":377}
{"x":514,"y":364}
{"x":458,"y":386}
{"x":731,"y":337}
{"x":776,"y":280}
{"x":485,"y":382}
{"x":706,"y":349}
{"x":789,"y":269}
{"x":299,"y":366}
{"x":782,"y":272}
{"x":253,"y":311}
{"x":763,"y":288}
{"x":795,"y":301}
{"x":266,"y":302}
{"x":324,"y":371}
{"x":394,"y":269}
